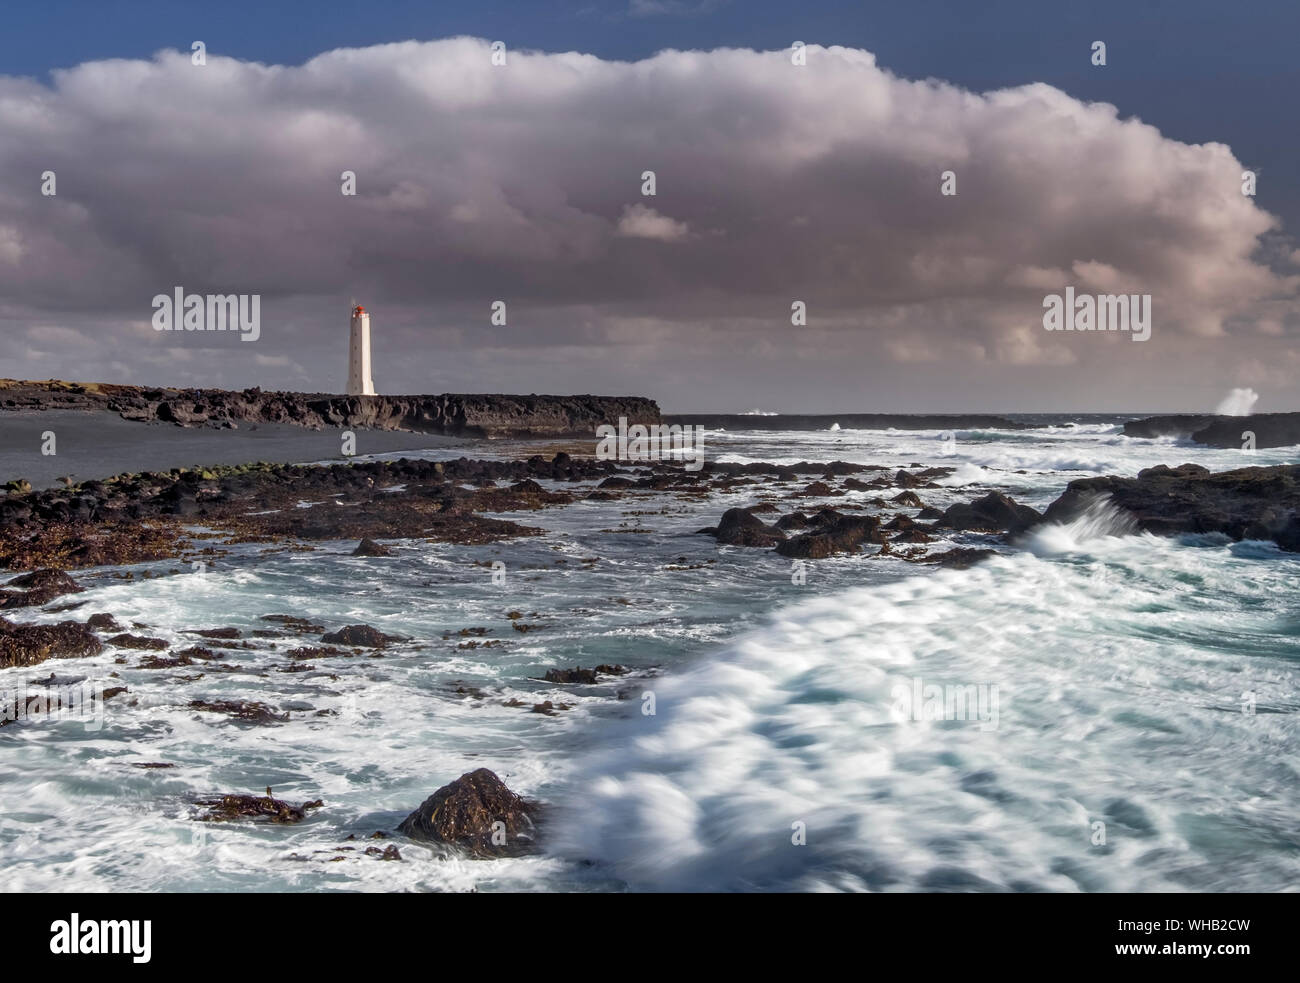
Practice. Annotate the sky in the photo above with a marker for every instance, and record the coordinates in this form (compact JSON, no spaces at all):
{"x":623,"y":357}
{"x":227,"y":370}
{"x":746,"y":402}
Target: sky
{"x":777,"y":185}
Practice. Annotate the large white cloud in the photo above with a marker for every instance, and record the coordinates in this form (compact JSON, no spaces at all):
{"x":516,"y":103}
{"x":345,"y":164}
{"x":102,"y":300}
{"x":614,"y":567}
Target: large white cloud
{"x":522,"y":182}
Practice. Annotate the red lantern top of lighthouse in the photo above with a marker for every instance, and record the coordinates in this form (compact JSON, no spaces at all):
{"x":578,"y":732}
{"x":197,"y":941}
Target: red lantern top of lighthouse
{"x":358,"y":310}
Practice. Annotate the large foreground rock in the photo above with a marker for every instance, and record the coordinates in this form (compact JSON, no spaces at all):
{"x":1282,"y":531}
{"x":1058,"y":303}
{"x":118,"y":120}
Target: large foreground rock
{"x":1248,"y":503}
{"x":465,"y":813}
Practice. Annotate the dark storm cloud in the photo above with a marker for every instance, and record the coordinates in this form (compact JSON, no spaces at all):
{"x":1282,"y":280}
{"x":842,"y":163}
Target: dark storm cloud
{"x":479,"y":182}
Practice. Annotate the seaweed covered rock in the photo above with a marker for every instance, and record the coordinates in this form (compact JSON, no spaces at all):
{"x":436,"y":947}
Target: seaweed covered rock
{"x":360,"y":636}
{"x":476,"y":813}
{"x":261,"y":808}
{"x":581,"y":676}
{"x":37,"y":588}
{"x":26,"y":645}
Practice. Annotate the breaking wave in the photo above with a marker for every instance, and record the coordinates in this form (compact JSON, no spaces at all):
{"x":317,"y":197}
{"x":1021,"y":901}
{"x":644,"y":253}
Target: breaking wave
{"x":1100,"y":681}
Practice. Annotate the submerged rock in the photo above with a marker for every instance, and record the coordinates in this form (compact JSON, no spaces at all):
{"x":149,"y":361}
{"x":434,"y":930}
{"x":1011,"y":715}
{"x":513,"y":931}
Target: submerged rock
{"x":466,"y":812}
{"x":368,"y":547}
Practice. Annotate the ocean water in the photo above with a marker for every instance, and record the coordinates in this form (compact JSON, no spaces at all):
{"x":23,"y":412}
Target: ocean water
{"x":1096,"y":710}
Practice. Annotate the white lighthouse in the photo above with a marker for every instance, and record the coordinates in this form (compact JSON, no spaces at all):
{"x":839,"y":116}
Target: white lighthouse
{"x":359,"y":381}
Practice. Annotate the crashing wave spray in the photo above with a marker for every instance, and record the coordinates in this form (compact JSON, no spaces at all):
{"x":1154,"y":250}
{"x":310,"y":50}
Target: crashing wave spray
{"x":1100,"y":519}
{"x":1239,"y":402}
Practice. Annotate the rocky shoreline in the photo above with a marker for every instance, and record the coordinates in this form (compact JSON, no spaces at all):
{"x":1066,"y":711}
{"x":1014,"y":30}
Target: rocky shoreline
{"x":482,"y":415}
{"x":805,"y":512}
{"x":144,"y":517}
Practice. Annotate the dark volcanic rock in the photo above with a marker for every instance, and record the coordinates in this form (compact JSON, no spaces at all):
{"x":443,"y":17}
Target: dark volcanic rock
{"x":485,"y":415}
{"x":1176,"y":425}
{"x":577,"y":674}
{"x":37,"y":588}
{"x":1248,"y":503}
{"x":368,"y":547}
{"x":215,"y":632}
{"x":26,"y":645}
{"x":1270,"y":429}
{"x":795,"y":520}
{"x":129,"y":641}
{"x":994,"y":512}
{"x":362,"y":636}
{"x":463,"y":814}
{"x":834,"y":534}
{"x":740,"y":527}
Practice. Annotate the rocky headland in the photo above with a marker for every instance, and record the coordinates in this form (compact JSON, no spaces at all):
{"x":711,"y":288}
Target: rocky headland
{"x":1270,"y":429}
{"x":483,"y":415}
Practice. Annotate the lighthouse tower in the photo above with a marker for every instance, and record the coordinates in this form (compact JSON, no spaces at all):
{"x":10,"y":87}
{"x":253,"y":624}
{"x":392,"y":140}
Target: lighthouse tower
{"x":359,"y":381}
